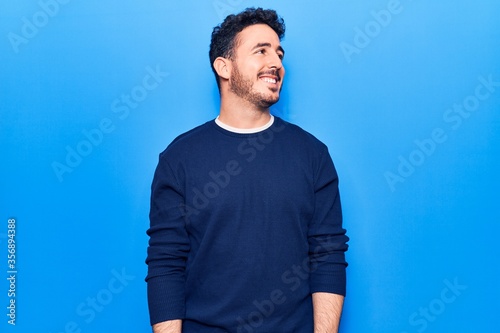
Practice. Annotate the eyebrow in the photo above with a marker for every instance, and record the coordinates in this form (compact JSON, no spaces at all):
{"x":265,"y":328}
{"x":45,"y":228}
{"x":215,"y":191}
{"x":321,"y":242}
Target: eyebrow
{"x":268,"y":45}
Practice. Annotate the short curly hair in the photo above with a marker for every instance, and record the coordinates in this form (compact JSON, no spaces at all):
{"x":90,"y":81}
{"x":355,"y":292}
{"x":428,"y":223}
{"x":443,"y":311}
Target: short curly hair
{"x":224,"y":39}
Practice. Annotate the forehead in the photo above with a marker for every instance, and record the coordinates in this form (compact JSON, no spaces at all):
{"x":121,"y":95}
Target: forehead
{"x":255,"y":34}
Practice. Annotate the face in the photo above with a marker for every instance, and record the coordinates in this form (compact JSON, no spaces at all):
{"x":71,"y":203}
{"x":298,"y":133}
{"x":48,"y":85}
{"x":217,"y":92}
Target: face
{"x":257,"y":70}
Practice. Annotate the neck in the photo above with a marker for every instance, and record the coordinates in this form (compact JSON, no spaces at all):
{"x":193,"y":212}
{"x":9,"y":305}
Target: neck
{"x":239,"y":113}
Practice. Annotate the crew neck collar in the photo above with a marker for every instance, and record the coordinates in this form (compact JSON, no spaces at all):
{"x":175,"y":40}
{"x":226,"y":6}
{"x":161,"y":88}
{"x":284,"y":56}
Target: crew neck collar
{"x":244,"y":130}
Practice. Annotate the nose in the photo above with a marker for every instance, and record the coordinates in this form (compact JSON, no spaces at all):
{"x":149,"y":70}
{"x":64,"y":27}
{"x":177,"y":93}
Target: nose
{"x":276,"y":64}
{"x":274,"y":61}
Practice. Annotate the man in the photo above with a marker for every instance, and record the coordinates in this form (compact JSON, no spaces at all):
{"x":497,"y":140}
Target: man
{"x":246,"y":228}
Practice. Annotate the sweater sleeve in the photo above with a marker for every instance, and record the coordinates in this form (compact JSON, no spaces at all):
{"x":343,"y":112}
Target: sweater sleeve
{"x":168,"y":247}
{"x":327,"y":238}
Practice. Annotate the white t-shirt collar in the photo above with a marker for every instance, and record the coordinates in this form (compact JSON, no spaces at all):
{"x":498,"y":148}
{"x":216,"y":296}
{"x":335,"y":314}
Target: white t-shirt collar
{"x":244,"y":130}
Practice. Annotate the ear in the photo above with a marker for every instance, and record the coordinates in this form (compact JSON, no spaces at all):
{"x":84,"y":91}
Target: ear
{"x":223,"y":67}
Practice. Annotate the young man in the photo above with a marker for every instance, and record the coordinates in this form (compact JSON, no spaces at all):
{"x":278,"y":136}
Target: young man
{"x":246,"y":226}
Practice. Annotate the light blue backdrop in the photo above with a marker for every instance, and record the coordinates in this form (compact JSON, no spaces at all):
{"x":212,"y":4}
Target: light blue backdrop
{"x":406,"y":94}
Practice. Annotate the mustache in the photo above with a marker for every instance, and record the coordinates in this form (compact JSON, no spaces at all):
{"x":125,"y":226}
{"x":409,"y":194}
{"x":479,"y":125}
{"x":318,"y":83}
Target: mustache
{"x":273,"y":72}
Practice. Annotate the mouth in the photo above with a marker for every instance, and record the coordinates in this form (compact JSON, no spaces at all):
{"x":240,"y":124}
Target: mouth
{"x":272,"y":79}
{"x":270,"y":76}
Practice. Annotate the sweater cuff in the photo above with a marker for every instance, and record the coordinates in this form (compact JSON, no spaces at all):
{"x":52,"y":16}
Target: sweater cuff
{"x":333,"y":282}
{"x":166,"y":300}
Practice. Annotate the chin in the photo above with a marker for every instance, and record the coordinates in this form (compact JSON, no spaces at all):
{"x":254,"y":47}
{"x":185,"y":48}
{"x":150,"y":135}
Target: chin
{"x":266,"y":103}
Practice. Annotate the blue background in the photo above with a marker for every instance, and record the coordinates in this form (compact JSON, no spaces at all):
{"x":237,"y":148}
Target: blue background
{"x":422,"y":215}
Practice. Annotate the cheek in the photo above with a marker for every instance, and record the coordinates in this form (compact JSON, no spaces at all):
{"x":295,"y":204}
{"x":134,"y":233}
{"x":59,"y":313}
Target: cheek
{"x":250,"y":71}
{"x":254,"y":66}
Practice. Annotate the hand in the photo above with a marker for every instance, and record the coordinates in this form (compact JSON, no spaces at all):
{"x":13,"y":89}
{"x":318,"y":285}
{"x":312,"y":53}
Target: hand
{"x":169,"y":326}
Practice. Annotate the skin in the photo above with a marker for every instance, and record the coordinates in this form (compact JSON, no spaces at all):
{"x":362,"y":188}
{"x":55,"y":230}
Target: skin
{"x":170,"y":326}
{"x":250,"y":83}
{"x":327,"y":309}
{"x":245,"y":95}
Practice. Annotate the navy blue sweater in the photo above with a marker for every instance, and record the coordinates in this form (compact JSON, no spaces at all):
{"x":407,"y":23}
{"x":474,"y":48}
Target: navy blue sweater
{"x":244,"y":227}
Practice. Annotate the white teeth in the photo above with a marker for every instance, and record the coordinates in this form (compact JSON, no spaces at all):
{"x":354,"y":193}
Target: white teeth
{"x":266,"y":79}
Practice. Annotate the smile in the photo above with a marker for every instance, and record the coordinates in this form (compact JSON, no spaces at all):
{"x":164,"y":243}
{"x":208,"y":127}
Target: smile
{"x":269,"y":80}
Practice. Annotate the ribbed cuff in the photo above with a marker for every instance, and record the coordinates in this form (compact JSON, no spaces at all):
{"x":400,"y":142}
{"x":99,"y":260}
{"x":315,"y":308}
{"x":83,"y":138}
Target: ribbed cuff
{"x":166,"y":300}
{"x":332,"y":282}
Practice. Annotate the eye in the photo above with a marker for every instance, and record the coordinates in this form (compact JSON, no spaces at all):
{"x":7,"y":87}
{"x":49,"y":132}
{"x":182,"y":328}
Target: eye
{"x":261,"y":51}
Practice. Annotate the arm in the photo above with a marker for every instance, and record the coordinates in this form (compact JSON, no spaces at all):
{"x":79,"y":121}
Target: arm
{"x":327,"y":310}
{"x":170,"y":326}
{"x":327,"y":246}
{"x":167,"y":251}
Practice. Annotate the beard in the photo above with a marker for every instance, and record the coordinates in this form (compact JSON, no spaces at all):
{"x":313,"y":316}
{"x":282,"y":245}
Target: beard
{"x":243,"y":88}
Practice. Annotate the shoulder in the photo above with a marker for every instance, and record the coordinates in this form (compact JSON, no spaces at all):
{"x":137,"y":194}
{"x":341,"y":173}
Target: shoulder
{"x":306,"y":149}
{"x":188,"y":139}
{"x":298,"y":136}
